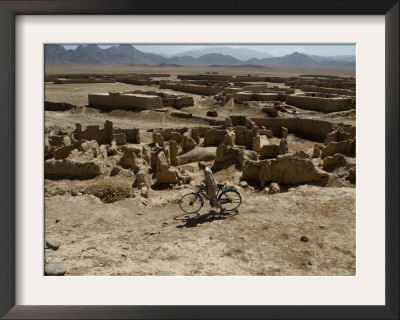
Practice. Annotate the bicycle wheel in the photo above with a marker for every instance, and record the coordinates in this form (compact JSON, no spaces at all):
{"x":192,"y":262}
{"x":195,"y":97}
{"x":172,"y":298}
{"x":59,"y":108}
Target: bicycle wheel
{"x":191,"y":202}
{"x":230,"y":200}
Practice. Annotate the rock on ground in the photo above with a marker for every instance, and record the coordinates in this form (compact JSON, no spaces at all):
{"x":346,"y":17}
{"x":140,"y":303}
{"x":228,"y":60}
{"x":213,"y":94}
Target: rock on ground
{"x":274,"y":188}
{"x":55,"y":269}
{"x":52,"y":244}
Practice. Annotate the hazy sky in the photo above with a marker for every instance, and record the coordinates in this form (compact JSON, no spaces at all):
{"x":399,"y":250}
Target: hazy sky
{"x":275,"y":50}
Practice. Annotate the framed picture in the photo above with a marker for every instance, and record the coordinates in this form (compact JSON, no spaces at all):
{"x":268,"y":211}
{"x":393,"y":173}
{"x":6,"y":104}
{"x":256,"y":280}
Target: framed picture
{"x":25,"y":295}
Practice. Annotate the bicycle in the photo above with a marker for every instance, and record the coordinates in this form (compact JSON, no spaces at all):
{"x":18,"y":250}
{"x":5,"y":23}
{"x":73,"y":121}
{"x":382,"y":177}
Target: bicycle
{"x":228,"y":197}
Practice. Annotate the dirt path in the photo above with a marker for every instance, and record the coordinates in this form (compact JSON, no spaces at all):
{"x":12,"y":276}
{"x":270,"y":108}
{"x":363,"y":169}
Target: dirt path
{"x":127,"y":238}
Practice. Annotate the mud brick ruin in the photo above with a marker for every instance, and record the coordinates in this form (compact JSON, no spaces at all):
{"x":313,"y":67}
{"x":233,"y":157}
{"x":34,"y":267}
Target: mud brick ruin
{"x":260,"y":147}
{"x":146,"y":100}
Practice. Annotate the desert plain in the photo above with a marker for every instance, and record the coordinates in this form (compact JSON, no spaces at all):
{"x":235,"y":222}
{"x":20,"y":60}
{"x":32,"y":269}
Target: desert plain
{"x":106,"y":225}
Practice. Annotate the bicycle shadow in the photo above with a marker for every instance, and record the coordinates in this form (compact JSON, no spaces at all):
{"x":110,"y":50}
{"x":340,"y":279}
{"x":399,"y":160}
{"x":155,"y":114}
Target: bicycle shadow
{"x":194,"y":221}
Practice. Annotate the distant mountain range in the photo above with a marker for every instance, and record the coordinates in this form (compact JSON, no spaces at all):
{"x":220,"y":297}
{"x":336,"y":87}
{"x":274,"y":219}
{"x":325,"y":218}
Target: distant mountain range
{"x":241,"y":54}
{"x":127,"y":54}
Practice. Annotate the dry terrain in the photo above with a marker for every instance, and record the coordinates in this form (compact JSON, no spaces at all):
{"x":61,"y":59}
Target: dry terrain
{"x":104,"y":226}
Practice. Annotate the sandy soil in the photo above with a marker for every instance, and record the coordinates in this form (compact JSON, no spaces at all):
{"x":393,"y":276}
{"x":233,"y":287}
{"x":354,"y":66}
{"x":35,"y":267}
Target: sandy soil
{"x":262,"y":238}
{"x":105,"y":228}
{"x":271,"y":71}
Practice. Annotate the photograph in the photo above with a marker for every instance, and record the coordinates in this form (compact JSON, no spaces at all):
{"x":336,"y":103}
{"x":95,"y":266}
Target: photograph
{"x":199,"y":159}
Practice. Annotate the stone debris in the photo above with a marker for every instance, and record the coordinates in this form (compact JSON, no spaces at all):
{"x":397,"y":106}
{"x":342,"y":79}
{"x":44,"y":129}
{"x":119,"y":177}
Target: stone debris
{"x":157,"y":138}
{"x":90,"y":152}
{"x":153,"y":166}
{"x":67,"y":168}
{"x":187,"y":141}
{"x":243,"y":184}
{"x":143,"y":179}
{"x":52,"y":244}
{"x":344,"y":146}
{"x":163,"y":172}
{"x":337,"y":135}
{"x":128,"y":159}
{"x":336,"y":160}
{"x":212,"y":113}
{"x":317,"y":150}
{"x":270,"y":111}
{"x":274,"y":188}
{"x":55,"y":269}
{"x":115,"y":170}
{"x":285,"y":169}
{"x":284,"y":132}
{"x":144,"y":192}
{"x":303,"y":239}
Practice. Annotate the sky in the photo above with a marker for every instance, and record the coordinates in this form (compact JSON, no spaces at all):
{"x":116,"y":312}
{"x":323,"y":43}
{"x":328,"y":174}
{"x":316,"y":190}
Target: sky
{"x":275,"y":50}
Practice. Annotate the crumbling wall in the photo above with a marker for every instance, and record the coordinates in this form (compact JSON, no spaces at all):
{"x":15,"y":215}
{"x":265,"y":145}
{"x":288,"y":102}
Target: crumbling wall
{"x":235,"y":154}
{"x":204,"y":77}
{"x":226,"y":153}
{"x":345,"y":92}
{"x":260,"y":96}
{"x":177,"y":102}
{"x":84,"y":80}
{"x":315,"y":130}
{"x":138,"y":81}
{"x":67,"y":168}
{"x":213,"y":137}
{"x":244,"y":137}
{"x":337,"y":135}
{"x":64,"y":151}
{"x":187,"y":141}
{"x":57,"y":106}
{"x":116,"y":99}
{"x":168,"y":134}
{"x":285,"y":169}
{"x":128,"y":159}
{"x":191,"y":88}
{"x":93,"y":132}
{"x":132,"y":135}
{"x":345,"y":147}
{"x":268,"y":151}
{"x":320,"y":104}
{"x":238,"y":120}
{"x":163,"y":172}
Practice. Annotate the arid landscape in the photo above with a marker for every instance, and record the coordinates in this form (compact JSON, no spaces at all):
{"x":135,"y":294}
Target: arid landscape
{"x":122,"y":143}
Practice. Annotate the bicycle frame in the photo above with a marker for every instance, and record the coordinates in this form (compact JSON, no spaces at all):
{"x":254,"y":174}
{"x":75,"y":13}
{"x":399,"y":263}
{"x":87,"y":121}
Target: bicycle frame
{"x":203,"y":193}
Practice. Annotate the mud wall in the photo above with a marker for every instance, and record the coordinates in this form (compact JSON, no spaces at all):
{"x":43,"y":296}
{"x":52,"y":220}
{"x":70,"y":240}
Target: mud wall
{"x":204,"y":77}
{"x":177,"y":101}
{"x":141,"y":82}
{"x":320,"y":104}
{"x":238,"y":120}
{"x":132,"y":135}
{"x":268,"y":89}
{"x":345,"y":92}
{"x":66,"y":168}
{"x":250,"y":96}
{"x":214,"y":137}
{"x":315,"y":130}
{"x":93,"y":132}
{"x":191,"y":88}
{"x":115,"y":99}
{"x":244,"y":137}
{"x":83,"y":80}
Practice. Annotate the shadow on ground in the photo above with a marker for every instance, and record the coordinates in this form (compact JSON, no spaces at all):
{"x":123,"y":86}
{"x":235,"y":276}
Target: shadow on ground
{"x":193,"y":221}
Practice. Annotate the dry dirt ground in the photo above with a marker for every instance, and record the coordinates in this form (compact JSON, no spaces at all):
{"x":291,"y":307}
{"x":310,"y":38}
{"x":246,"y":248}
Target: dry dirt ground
{"x":132,"y":237}
{"x":280,"y":71}
{"x":104,"y":228}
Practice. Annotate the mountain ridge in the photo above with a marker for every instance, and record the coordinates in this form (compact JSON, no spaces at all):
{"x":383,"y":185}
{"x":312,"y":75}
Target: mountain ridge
{"x":128,"y":54}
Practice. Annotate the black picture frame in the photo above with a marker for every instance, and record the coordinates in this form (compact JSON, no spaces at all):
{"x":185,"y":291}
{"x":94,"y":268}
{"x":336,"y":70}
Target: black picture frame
{"x":8,"y":11}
